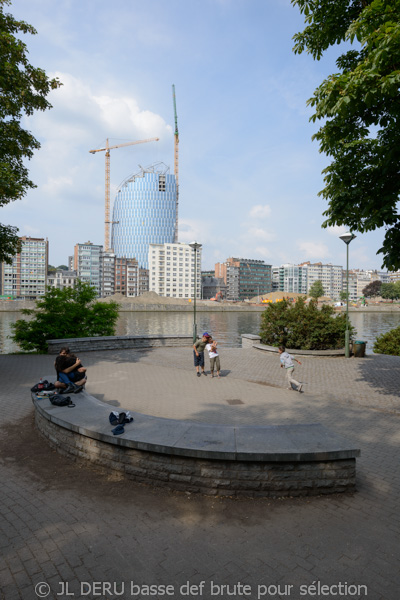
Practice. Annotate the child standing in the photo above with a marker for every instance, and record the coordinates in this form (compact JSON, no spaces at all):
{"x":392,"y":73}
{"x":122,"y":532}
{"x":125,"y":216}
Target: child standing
{"x":287,"y":362}
{"x":214,"y":357}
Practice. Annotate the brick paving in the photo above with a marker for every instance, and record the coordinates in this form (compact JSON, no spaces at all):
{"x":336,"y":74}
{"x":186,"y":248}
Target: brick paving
{"x":62,"y":521}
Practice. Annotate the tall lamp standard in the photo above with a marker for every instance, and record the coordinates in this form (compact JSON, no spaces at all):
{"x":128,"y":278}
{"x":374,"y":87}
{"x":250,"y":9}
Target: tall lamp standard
{"x":196,"y":246}
{"x":347,"y":238}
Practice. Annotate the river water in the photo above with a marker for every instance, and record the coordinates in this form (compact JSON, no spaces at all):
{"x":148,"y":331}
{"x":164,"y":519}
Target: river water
{"x":226,"y":327}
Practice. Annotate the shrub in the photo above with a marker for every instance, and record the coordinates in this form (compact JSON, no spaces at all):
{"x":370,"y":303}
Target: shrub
{"x":67,"y":313}
{"x":388,"y":343}
{"x":303,"y":326}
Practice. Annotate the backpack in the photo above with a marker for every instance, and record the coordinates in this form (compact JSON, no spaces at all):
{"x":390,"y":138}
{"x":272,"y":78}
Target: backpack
{"x":59,"y":400}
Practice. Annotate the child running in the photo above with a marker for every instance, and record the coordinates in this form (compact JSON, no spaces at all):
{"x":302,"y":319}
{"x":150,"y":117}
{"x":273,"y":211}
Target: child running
{"x":287,"y":362}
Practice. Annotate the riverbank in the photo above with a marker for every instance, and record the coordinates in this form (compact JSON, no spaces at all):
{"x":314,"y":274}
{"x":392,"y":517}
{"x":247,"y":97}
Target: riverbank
{"x":154,"y":303}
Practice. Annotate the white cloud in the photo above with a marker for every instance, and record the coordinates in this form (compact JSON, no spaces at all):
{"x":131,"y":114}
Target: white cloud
{"x":190,"y":230}
{"x":313,"y":250}
{"x":55,"y":185}
{"x":257,"y":233}
{"x":260,"y":211}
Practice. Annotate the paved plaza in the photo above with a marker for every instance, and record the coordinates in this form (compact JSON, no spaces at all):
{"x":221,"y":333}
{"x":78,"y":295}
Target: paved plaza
{"x":68,"y":530}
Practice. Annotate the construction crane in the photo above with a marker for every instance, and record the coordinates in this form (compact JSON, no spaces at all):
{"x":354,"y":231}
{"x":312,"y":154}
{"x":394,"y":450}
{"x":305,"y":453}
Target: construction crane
{"x":176,"y":164}
{"x":107,"y":194}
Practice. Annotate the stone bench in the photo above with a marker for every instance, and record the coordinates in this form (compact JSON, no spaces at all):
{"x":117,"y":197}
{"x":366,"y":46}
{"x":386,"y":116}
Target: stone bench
{"x":254,"y":341}
{"x":271,"y":461}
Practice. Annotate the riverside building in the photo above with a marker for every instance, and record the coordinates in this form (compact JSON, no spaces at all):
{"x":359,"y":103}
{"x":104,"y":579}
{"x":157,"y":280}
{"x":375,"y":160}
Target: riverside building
{"x":144,"y":213}
{"x":87,"y":261}
{"x":61,"y":279}
{"x":172,"y":270}
{"x":331,"y":277}
{"x":26,"y":277}
{"x":245,"y":278}
{"x":292,"y":278}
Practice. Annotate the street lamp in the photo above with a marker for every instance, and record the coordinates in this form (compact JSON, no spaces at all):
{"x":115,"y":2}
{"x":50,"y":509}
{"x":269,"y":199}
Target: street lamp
{"x":347,"y":238}
{"x":196,"y":246}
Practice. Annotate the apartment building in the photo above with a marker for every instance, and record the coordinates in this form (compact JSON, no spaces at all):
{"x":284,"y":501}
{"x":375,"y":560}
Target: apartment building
{"x":331,"y":277}
{"x":61,"y":279}
{"x":26,"y":276}
{"x":292,"y":278}
{"x":172,"y":270}
{"x":87,"y":264}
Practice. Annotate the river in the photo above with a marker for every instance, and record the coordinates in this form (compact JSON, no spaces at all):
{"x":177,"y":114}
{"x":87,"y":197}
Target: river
{"x":226,"y":327}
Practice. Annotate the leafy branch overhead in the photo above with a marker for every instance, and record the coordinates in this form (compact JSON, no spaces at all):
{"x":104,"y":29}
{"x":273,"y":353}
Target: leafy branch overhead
{"x":23,"y":90}
{"x":360,"y":110}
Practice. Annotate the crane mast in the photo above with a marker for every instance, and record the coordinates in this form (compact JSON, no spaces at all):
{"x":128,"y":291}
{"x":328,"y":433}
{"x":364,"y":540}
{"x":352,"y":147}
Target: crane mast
{"x":107,"y":149}
{"x":176,"y":164}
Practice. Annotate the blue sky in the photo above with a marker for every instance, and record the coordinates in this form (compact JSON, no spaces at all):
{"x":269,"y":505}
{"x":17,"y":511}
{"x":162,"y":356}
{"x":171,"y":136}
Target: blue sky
{"x":249,"y":173}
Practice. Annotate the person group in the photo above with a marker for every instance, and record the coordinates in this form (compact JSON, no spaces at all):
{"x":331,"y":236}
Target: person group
{"x":206,"y":343}
{"x":71,"y":374}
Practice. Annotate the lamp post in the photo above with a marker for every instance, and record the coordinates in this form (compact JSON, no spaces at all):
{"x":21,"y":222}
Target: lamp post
{"x":196,"y":246}
{"x":347,"y":238}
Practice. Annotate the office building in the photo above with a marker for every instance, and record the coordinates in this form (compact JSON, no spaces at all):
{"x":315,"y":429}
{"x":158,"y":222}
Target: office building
{"x":144,"y":213}
{"x":172,"y":270}
{"x":26,"y":276}
{"x":245,"y":278}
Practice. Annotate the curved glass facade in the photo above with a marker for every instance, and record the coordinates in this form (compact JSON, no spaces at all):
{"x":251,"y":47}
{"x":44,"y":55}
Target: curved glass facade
{"x":144,"y":213}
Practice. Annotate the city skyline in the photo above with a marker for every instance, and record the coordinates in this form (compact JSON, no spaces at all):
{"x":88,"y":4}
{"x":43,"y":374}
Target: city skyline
{"x":249,"y":174}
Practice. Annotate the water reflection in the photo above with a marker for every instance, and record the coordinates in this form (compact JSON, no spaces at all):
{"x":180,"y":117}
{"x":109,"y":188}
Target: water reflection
{"x":226,"y":327}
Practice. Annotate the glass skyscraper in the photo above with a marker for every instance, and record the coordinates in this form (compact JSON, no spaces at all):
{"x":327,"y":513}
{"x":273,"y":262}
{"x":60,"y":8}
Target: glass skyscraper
{"x":144,"y":213}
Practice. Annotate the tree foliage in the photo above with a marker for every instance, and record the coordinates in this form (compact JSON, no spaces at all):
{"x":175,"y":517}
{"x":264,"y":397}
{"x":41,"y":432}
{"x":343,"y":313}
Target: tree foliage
{"x":390,"y":291}
{"x":373,"y":289}
{"x":388,"y":343}
{"x":23,"y":90}
{"x":316,"y":289}
{"x":303,"y":326}
{"x":360,"y":110}
{"x":67,"y":313}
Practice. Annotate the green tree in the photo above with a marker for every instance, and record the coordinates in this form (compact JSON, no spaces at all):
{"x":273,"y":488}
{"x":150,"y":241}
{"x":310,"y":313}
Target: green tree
{"x":343,"y":296}
{"x":390,"y":291}
{"x":373,"y":289}
{"x":360,"y":110}
{"x":23,"y":90}
{"x":67,"y":313}
{"x":303,"y":326}
{"x":388,"y":343}
{"x":316,"y":290}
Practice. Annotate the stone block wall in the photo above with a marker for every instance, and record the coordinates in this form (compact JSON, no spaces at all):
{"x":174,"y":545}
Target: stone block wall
{"x":92,"y":344}
{"x":249,"y":340}
{"x":211,"y":477}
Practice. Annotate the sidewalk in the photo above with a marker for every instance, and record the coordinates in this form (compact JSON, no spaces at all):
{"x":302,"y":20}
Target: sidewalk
{"x":63,"y":522}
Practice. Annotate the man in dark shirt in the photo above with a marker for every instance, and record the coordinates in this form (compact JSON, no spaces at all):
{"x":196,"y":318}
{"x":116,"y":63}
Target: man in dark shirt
{"x":70,"y":371}
{"x":198,"y":352}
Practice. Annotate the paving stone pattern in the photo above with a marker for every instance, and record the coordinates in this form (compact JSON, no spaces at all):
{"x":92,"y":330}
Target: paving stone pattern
{"x":62,"y":521}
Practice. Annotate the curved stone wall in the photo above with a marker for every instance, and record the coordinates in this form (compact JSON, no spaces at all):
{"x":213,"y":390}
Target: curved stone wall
{"x":199,"y":458}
